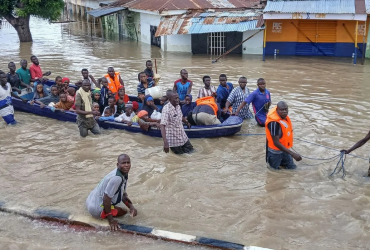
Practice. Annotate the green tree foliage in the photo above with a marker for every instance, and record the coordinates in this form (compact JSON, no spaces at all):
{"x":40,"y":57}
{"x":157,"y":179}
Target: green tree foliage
{"x":18,"y":12}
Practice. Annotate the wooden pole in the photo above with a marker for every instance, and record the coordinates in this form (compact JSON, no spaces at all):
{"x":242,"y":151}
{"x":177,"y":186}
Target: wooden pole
{"x":355,"y":59}
{"x":155,"y":63}
{"x":264,"y":41}
{"x":363,"y":45}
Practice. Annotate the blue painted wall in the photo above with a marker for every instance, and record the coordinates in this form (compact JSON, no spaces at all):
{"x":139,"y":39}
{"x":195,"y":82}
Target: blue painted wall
{"x":308,"y":49}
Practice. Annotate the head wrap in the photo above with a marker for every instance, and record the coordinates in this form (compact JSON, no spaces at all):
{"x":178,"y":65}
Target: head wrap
{"x":96,"y":91}
{"x":142,"y":113}
{"x":191,"y":97}
{"x":135,"y":105}
{"x":129,"y":105}
{"x":65,"y":79}
{"x":150,"y":98}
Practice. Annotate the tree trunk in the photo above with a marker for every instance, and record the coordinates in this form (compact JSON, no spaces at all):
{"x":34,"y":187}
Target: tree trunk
{"x":22,"y":26}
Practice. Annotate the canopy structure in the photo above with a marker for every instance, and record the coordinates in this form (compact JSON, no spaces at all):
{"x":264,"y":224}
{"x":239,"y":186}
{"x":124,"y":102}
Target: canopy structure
{"x":208,"y":22}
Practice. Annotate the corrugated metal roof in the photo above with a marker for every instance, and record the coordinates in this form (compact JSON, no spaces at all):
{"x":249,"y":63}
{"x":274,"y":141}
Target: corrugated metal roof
{"x":161,"y":5}
{"x":104,"y":11}
{"x":198,"y":23}
{"x":318,"y":6}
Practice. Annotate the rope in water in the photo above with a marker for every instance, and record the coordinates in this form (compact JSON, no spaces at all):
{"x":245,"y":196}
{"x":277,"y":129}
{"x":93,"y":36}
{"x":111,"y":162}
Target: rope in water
{"x":340,"y":164}
{"x":313,"y":143}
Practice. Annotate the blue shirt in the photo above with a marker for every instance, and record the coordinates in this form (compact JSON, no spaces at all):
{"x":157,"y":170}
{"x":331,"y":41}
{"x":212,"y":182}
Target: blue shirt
{"x":223,"y":93}
{"x":182,"y":89}
{"x":258,"y":101}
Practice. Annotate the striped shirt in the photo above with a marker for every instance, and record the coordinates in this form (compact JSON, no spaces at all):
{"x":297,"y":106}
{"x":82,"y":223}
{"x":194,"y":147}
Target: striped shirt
{"x":236,"y":97}
{"x":203,"y":92}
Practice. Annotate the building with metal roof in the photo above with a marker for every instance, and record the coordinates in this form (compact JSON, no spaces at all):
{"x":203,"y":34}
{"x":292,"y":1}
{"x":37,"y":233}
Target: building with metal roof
{"x":315,"y":27}
{"x":197,"y":26}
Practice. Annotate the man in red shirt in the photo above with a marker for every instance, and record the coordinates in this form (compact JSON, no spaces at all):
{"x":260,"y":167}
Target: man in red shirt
{"x":35,"y":69}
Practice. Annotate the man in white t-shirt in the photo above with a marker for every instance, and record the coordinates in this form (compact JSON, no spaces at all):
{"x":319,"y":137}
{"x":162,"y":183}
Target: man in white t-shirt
{"x":111,"y":191}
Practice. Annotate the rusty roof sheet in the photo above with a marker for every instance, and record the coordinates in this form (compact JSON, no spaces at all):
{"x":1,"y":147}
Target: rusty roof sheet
{"x":312,"y":6}
{"x":197,"y":23}
{"x":161,"y":5}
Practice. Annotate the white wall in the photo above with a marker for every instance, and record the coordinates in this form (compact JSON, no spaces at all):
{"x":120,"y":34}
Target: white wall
{"x":146,"y":20}
{"x":180,"y":43}
{"x":253,"y":45}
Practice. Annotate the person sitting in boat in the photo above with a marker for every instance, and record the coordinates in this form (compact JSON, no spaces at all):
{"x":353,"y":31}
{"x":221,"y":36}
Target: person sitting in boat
{"x":103,"y":91}
{"x":208,"y":89}
{"x":144,"y":84}
{"x":144,"y":121}
{"x":15,"y":81}
{"x":52,"y":98}
{"x":40,"y":91}
{"x":111,"y":190}
{"x":112,"y":105}
{"x":121,"y":99}
{"x":207,"y":112}
{"x":87,"y":76}
{"x":149,"y":69}
{"x":108,"y":115}
{"x":62,"y":88}
{"x":188,"y":106}
{"x":149,"y":106}
{"x":183,"y":85}
{"x":223,"y":90}
{"x":66,"y":82}
{"x":96,"y":106}
{"x":135,"y":107}
{"x":71,"y":97}
{"x":6,"y":94}
{"x":25,"y":74}
{"x":63,"y":104}
{"x":36,"y":72}
{"x":121,"y":94}
{"x":114,"y":80}
{"x":127,"y":116}
{"x":96,"y":97}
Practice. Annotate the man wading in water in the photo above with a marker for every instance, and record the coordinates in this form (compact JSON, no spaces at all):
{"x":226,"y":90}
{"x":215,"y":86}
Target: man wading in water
{"x":111,"y":191}
{"x":360,"y":143}
{"x":172,"y":129}
{"x":84,"y":110}
{"x":279,"y":135}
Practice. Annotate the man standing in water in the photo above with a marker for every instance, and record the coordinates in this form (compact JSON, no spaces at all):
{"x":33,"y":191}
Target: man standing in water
{"x":279,"y":135}
{"x":237,"y":96}
{"x":183,"y":85}
{"x":84,"y":110}
{"x":261,"y":101}
{"x":360,"y":143}
{"x":172,"y":129}
{"x":111,"y":191}
{"x":6,"y":107}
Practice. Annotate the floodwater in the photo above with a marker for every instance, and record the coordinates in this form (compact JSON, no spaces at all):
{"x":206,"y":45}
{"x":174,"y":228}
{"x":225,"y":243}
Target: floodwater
{"x":224,"y":189}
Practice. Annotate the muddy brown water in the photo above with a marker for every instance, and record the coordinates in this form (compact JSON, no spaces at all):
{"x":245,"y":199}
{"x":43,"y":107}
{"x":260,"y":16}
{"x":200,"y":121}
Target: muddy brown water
{"x":224,"y":189}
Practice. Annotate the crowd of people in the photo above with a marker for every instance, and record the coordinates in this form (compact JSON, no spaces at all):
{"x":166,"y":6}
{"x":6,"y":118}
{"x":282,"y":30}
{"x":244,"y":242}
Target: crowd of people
{"x":105,"y":99}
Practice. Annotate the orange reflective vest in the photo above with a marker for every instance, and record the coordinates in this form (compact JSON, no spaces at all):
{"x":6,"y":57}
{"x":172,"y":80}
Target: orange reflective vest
{"x":210,"y":101}
{"x":286,"y":128}
{"x":113,"y":85}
